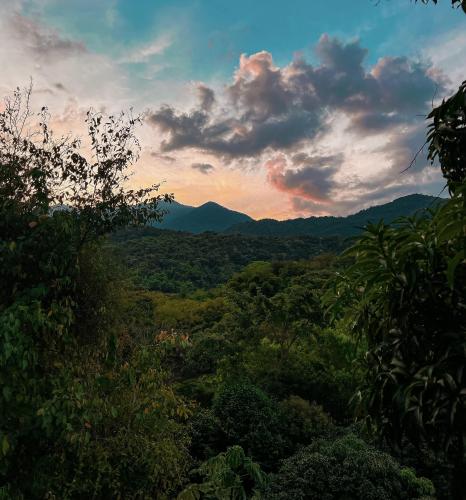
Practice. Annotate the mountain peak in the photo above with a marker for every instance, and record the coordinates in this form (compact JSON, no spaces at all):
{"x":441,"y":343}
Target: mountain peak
{"x":212,"y":204}
{"x":209,"y":216}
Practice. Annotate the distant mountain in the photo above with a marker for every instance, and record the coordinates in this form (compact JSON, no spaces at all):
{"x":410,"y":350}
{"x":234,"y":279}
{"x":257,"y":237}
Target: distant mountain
{"x":337,"y":226}
{"x":214,"y":217}
{"x":208,"y":217}
{"x":172,"y":211}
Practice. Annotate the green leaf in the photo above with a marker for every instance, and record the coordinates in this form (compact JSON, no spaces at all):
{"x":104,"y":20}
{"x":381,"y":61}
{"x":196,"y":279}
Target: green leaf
{"x":452,"y":265}
{"x":5,"y":445}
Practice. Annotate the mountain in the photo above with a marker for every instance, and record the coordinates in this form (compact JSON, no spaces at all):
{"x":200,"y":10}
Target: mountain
{"x":173,"y":211}
{"x":337,"y":226}
{"x":208,"y":217}
{"x":214,"y":217}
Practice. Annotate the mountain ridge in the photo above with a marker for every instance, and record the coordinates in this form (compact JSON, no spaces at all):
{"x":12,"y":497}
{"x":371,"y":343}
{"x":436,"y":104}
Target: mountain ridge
{"x":212,"y":216}
{"x":346,"y":226}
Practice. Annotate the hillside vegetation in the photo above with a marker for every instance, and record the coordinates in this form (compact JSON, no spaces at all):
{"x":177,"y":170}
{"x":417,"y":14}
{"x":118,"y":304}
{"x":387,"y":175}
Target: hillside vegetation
{"x":343,"y":227}
{"x":208,"y":217}
{"x":212,"y":217}
{"x":172,"y":261}
{"x":305,"y":375}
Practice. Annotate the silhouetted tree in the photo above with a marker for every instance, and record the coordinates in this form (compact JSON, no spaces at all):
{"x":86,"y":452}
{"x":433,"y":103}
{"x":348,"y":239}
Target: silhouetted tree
{"x":55,"y":203}
{"x":454,"y":3}
{"x":447,"y":137}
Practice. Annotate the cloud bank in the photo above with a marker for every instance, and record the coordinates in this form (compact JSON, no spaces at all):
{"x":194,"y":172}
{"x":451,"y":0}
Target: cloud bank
{"x":330,"y":136}
{"x":286,"y":118}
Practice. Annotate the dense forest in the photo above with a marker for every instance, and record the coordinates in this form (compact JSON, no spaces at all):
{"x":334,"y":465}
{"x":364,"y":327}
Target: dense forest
{"x":139,"y":363}
{"x":171,"y":261}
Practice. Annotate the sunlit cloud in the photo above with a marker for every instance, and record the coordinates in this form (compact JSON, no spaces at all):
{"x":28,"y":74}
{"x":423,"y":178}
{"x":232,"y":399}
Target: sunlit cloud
{"x":326,"y":132}
{"x":286,"y":119}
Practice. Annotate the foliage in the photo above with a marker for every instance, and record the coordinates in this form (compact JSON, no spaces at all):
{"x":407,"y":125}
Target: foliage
{"x":306,"y":371}
{"x":229,"y":475}
{"x":454,"y":3}
{"x":41,"y":173}
{"x":107,"y":420}
{"x":175,"y":262}
{"x":280,"y":301}
{"x":304,"y":421}
{"x":123,"y":436}
{"x":406,"y":293}
{"x":58,"y":308}
{"x":345,"y":468}
{"x":446,"y":136}
{"x":276,"y":329}
{"x":207,"y":436}
{"x":249,"y":418}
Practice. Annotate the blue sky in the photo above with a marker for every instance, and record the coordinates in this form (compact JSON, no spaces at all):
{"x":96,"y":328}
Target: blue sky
{"x":229,"y":85}
{"x":211,"y":34}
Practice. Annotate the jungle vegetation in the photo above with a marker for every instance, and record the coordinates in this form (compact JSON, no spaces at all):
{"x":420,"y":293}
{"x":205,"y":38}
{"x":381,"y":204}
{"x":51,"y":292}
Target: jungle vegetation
{"x":280,"y":375}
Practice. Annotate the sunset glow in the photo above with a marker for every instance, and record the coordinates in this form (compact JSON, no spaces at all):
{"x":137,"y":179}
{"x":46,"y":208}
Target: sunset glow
{"x":276,"y":110}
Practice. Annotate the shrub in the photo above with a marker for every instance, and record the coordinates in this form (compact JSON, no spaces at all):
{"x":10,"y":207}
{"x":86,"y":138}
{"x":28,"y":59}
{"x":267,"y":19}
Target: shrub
{"x":304,"y":421}
{"x":345,"y":468}
{"x":230,"y":475}
{"x":249,"y":418}
{"x":207,"y":437}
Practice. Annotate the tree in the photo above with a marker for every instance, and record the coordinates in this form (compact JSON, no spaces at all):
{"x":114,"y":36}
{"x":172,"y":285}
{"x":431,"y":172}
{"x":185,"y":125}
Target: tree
{"x":230,"y":474}
{"x":40,"y":173}
{"x":55,"y":204}
{"x":345,"y":468}
{"x":454,"y":3}
{"x":447,"y":137}
{"x":406,"y":295}
{"x":249,"y":418}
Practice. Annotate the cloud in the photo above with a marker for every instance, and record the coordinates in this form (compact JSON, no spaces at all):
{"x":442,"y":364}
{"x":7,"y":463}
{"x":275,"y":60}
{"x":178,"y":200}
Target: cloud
{"x":394,"y":91}
{"x":145,"y":52}
{"x":259,"y":88}
{"x":230,"y":138}
{"x":313,"y":180}
{"x":206,"y":97}
{"x":406,"y":149}
{"x":204,"y":168}
{"x":328,"y":137}
{"x":42,"y":41}
{"x":333,"y":136}
{"x":271,"y":108}
{"x":164,"y":158}
{"x":445,"y":51}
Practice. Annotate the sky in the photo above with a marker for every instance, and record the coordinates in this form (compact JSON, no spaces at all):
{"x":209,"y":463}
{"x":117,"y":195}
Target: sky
{"x":278,"y":109}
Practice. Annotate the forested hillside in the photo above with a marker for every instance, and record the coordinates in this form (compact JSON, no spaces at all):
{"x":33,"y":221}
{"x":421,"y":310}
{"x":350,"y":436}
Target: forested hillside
{"x":139,"y":363}
{"x":212,"y":217}
{"x":172,"y":261}
{"x":208,"y":217}
{"x":343,"y":227}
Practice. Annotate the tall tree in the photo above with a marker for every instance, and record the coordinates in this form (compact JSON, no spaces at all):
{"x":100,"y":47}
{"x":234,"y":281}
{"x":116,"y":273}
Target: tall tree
{"x":406,"y":294}
{"x":54,"y":201}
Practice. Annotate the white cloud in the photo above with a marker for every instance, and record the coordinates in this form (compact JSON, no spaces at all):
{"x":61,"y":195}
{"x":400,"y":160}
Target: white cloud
{"x":145,"y":52}
{"x":448,"y":52}
{"x":63,"y":68}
